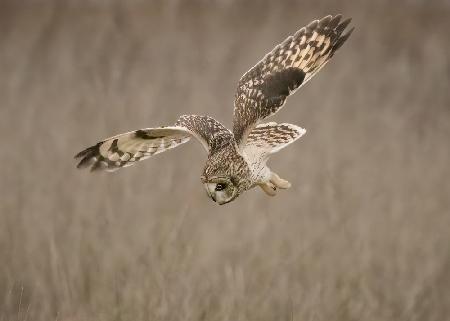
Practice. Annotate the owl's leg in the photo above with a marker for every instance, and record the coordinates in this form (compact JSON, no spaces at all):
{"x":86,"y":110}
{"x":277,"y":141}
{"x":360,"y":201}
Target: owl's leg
{"x":269,"y":188}
{"x":279,"y":182}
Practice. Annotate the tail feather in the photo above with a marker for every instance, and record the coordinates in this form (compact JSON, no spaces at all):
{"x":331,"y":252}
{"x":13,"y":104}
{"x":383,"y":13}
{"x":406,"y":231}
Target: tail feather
{"x":269,"y":138}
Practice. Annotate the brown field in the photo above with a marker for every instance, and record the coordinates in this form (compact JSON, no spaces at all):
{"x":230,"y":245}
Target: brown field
{"x":363,"y":234}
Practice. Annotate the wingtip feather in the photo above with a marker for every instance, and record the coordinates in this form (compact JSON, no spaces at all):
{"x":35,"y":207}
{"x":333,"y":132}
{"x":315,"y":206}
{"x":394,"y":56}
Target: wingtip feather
{"x":87,"y":156}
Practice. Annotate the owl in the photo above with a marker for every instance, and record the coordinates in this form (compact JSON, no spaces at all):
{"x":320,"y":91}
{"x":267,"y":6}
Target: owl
{"x":237,"y":159}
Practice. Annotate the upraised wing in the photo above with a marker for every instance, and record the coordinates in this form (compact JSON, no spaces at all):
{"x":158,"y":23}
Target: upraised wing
{"x":263,"y":90}
{"x":126,"y":149}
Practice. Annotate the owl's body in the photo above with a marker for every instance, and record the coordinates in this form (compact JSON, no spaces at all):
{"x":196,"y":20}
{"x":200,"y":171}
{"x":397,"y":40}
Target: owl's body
{"x":237,"y":159}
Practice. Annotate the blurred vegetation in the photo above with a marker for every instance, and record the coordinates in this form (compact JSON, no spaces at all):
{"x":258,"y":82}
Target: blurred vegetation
{"x":363,"y":234}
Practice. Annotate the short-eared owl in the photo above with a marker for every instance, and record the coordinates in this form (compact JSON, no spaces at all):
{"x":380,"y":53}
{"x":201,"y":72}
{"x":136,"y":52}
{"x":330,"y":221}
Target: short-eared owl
{"x":237,"y":159}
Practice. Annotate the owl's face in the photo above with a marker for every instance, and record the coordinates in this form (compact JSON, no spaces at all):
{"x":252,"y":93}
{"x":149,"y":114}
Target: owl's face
{"x":220,"y":189}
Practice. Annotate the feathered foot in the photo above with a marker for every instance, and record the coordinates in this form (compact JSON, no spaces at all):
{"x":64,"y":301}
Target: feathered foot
{"x":269,"y":188}
{"x":279,"y":182}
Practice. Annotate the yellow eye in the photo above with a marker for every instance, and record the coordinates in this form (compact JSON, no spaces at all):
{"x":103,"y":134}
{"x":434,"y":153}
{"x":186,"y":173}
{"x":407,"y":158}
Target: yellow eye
{"x":220,"y":186}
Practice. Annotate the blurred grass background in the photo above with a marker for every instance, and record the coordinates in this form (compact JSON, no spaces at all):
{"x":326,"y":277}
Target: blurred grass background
{"x":363,"y":234}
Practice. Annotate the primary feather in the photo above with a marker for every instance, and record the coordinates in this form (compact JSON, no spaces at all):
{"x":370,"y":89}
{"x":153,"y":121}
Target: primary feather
{"x":263,"y":90}
{"x":126,"y":149}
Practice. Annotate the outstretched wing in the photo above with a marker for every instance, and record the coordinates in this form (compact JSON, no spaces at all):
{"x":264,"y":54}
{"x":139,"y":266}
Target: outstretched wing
{"x":263,"y":90}
{"x":126,"y":149}
{"x":269,"y":138}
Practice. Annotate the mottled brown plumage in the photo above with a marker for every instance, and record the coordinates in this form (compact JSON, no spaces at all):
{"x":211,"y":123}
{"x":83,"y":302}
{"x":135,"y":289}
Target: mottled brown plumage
{"x":237,"y":160}
{"x":263,"y":90}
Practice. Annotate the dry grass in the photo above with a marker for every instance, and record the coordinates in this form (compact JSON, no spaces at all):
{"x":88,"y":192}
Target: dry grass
{"x":362,"y":235}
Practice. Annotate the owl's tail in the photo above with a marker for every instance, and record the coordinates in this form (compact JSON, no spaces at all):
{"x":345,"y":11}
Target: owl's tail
{"x":271,"y":137}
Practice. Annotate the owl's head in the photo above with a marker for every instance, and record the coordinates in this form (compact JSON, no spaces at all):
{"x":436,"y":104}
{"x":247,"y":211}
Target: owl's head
{"x":225,"y":175}
{"x":220,"y":189}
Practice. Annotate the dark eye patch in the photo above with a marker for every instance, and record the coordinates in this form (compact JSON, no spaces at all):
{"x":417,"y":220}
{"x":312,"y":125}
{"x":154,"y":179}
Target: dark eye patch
{"x":220,"y":186}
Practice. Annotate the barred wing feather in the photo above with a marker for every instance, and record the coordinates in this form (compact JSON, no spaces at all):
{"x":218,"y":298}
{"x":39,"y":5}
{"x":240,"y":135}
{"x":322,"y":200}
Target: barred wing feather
{"x":126,"y":149}
{"x":263,"y":90}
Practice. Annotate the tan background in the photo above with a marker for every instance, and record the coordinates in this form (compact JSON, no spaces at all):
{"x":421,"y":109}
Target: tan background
{"x":363,"y":234}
